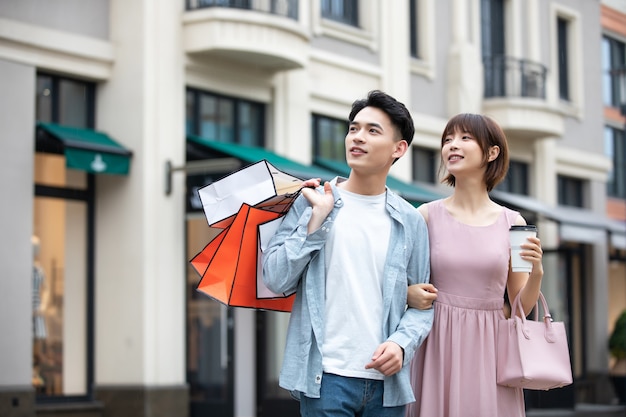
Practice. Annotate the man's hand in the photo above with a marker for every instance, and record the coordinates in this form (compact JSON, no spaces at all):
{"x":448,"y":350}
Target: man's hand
{"x":322,"y":205}
{"x":387,"y":359}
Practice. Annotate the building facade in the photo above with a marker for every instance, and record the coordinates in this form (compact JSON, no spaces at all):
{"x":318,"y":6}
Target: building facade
{"x":114,"y":112}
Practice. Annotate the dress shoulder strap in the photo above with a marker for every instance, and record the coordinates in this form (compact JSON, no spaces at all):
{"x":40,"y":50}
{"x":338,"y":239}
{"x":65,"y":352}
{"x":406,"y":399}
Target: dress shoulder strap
{"x":510,"y":215}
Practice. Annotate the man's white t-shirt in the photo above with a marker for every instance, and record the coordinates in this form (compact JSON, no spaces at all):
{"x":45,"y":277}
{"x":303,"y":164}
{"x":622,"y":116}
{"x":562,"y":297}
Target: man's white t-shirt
{"x":355,"y":254}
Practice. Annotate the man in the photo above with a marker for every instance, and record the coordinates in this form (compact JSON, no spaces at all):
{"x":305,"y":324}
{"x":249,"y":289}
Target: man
{"x":350,"y":249}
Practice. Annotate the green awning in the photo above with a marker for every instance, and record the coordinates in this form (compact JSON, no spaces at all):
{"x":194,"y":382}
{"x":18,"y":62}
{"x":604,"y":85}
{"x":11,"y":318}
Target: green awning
{"x":411,"y":192}
{"x":89,"y":150}
{"x":252,"y":154}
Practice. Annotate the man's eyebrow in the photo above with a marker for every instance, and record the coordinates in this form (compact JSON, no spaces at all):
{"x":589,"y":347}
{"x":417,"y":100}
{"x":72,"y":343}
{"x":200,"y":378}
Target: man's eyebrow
{"x":369,"y":124}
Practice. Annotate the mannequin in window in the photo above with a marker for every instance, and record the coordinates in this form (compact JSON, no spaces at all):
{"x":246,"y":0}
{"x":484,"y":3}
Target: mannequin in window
{"x":39,"y":305}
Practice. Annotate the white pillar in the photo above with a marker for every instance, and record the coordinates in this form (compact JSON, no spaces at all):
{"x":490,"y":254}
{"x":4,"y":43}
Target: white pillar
{"x":465,"y":75}
{"x":140,"y":280}
{"x":17,"y":115}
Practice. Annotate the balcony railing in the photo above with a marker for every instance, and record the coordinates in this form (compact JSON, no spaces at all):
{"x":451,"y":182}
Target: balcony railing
{"x":513,"y":77}
{"x":286,"y":8}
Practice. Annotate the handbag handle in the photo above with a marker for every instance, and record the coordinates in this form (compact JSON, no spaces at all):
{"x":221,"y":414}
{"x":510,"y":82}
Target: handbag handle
{"x":547,"y":318}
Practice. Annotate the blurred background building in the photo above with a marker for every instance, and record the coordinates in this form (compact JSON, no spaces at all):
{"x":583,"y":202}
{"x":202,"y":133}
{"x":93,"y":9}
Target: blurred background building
{"x":114,"y":112}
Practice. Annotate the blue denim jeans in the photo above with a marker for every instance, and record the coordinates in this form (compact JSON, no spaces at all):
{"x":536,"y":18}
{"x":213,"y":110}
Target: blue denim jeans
{"x":348,"y":397}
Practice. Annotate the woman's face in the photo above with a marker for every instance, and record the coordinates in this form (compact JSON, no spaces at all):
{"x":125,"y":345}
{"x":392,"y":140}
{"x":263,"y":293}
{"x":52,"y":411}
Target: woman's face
{"x":461,"y":153}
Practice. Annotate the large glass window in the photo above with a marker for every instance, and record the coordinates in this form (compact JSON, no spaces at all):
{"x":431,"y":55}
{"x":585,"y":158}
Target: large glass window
{"x":329,"y":138}
{"x":516,"y":180}
{"x":344,"y":11}
{"x":614,"y":71}
{"x":615,"y":145}
{"x":225,"y":119}
{"x":62,"y":246}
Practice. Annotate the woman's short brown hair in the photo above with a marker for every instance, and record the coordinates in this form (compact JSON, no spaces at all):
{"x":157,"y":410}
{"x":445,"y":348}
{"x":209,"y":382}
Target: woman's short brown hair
{"x":487,"y":133}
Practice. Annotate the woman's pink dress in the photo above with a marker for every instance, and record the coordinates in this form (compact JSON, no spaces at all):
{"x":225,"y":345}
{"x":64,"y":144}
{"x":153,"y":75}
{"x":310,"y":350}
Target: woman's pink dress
{"x":454,"y":372}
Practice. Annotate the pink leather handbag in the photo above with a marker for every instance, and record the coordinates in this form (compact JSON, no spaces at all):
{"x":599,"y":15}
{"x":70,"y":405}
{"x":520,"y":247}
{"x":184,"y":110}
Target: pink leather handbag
{"x":532,"y":354}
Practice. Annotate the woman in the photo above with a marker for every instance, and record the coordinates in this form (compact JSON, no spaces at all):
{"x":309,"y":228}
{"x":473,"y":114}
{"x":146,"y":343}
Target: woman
{"x":454,"y":372}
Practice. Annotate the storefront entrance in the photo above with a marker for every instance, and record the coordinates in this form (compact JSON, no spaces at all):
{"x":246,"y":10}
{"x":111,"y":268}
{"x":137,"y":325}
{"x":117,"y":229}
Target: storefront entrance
{"x":210,"y":338}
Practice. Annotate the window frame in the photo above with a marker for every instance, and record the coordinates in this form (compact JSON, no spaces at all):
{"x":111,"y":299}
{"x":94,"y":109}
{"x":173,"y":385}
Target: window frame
{"x":422,"y":38}
{"x":575,"y":104}
{"x":193,"y":124}
{"x":517,"y":180}
{"x":364,"y":33}
{"x":571,"y":191}
{"x":613,"y":59}
{"x":350,"y":15}
{"x":337,"y":142}
{"x":432,"y":157}
{"x":563,"y":52}
{"x":615,"y":146}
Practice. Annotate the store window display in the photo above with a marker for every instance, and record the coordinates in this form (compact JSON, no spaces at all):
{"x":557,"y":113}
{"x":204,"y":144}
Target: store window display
{"x":40,"y":299}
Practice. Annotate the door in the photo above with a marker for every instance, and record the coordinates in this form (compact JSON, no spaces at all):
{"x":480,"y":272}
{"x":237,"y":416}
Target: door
{"x":563,"y":284}
{"x":272,"y":401}
{"x":209,"y":337}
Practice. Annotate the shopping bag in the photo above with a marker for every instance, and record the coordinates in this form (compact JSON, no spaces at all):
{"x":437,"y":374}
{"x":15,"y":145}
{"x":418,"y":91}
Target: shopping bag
{"x":230,"y":265}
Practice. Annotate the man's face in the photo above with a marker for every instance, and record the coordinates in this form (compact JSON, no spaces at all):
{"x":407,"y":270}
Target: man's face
{"x":371,"y":142}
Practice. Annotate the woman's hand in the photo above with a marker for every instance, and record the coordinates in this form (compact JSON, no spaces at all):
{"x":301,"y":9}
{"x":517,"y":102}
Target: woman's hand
{"x":532,"y":252}
{"x":421,"y":296}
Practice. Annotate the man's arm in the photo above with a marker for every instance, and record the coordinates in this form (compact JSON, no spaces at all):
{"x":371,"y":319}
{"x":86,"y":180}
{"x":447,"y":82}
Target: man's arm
{"x":415,"y":324}
{"x":300,"y":236}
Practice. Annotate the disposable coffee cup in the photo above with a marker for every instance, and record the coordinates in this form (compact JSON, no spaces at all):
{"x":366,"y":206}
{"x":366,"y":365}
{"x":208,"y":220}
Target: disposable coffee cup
{"x":518,"y":235}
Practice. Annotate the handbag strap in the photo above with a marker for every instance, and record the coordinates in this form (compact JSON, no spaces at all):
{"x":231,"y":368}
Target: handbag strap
{"x":547,"y":318}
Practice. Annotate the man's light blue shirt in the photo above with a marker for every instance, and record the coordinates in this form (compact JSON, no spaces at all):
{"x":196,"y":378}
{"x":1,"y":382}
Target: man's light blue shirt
{"x":294,"y":260}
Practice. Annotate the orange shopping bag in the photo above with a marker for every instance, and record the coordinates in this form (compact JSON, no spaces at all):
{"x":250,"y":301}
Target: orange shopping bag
{"x":229,"y":264}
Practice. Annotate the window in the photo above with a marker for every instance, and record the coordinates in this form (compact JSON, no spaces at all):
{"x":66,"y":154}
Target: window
{"x":413,"y":25}
{"x":516,"y":180}
{"x":344,"y":11}
{"x":225,"y":119}
{"x":288,"y":8}
{"x":563,"y":58}
{"x":570,"y":191}
{"x":424,"y":165}
{"x":422,"y":38}
{"x":329,"y":138}
{"x":62,"y":249}
{"x":614,"y":71}
{"x":493,"y":47}
{"x":615,"y":144}
{"x":65,"y":101}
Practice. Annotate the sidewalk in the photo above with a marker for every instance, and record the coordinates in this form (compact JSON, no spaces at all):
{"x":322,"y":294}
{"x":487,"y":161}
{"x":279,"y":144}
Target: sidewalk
{"x":582,"y":410}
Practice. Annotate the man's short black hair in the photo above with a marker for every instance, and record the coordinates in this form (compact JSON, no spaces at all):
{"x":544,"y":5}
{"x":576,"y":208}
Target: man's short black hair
{"x":398,"y":113}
